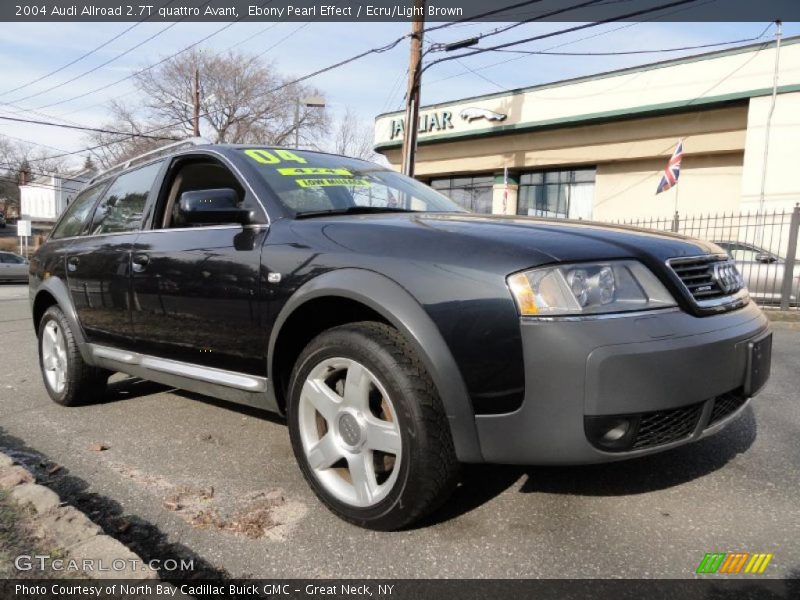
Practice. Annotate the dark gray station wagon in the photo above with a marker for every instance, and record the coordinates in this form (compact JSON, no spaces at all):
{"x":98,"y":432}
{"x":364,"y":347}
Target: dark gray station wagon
{"x":399,"y":335}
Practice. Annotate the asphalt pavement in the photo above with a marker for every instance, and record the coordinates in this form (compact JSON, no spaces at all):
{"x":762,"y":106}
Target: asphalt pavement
{"x":176,"y":474}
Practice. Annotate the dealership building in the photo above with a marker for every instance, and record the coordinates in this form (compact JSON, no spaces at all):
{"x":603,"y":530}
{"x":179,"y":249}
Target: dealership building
{"x":595,"y":147}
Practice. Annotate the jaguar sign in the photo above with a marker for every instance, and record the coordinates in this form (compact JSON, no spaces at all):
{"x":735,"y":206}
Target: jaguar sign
{"x":443,"y":120}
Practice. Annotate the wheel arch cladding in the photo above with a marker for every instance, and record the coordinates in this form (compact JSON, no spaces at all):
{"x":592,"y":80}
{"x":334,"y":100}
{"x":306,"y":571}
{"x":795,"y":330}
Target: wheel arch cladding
{"x":366,"y":295}
{"x":54,"y":292}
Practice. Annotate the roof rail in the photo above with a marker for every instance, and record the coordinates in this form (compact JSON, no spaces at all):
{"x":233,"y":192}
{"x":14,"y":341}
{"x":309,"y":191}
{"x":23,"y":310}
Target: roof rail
{"x":168,"y":148}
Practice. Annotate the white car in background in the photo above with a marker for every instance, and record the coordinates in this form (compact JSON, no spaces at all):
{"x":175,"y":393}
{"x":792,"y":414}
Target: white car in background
{"x":762,"y":271}
{"x":13,"y":267}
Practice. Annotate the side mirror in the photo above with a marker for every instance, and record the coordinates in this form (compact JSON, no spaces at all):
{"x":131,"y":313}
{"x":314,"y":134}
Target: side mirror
{"x":763,"y":257}
{"x":213,"y":206}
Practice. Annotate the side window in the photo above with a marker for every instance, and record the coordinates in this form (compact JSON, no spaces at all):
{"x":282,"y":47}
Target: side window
{"x":77,"y":213}
{"x":122,"y":207}
{"x":742,"y":253}
{"x":198,"y":174}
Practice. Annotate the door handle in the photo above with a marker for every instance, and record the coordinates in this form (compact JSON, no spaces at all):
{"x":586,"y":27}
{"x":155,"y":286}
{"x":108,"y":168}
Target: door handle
{"x":140,"y":262}
{"x":72,"y":263}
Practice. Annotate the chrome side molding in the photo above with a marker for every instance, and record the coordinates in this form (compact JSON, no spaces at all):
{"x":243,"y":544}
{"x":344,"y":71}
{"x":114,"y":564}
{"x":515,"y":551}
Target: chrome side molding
{"x":231,"y":379}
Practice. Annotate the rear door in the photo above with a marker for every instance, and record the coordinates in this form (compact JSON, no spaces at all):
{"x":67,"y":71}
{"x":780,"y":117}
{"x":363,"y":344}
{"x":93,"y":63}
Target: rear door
{"x":99,"y":262}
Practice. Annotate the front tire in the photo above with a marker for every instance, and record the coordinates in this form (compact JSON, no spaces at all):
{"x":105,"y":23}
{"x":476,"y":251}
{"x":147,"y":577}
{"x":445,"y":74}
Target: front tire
{"x":368,"y":428}
{"x":69,"y":380}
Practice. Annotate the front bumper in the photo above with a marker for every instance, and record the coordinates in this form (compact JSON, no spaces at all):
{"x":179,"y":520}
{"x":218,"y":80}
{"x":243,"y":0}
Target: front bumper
{"x":668,"y":367}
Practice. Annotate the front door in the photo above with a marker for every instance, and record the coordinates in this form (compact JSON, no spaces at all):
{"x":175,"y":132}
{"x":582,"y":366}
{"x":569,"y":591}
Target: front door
{"x":195,"y":288}
{"x":98,"y":263}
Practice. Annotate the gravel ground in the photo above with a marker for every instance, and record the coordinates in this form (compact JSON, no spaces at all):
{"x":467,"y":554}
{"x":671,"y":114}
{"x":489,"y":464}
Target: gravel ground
{"x":178,"y":475}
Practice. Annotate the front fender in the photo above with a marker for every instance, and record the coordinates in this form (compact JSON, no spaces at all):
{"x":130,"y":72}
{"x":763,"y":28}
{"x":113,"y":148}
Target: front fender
{"x":399,"y":308}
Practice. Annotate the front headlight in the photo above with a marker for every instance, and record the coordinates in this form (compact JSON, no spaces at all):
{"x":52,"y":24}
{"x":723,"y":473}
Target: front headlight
{"x":588,"y":288}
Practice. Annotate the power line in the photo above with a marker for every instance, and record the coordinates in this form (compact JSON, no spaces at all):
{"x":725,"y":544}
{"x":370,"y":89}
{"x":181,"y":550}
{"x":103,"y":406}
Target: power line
{"x":145,"y":69}
{"x":80,"y":127}
{"x":569,"y":43}
{"x":72,"y":62}
{"x":10,"y":167}
{"x":100,"y":66}
{"x":98,"y":104}
{"x":24,"y":141}
{"x":283,"y":39}
{"x":538,"y":17}
{"x":626,"y":52}
{"x":377,"y":50}
{"x":561,"y":32}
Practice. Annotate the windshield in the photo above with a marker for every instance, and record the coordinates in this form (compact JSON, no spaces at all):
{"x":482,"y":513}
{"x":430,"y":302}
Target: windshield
{"x":309,"y":183}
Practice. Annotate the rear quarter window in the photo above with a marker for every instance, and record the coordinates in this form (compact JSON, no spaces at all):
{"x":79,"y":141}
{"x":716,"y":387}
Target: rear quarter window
{"x":77,"y":213}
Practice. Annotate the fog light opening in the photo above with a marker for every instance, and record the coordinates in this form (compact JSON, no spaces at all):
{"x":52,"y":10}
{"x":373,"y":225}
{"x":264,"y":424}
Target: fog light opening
{"x":616,"y":433}
{"x":613,"y":433}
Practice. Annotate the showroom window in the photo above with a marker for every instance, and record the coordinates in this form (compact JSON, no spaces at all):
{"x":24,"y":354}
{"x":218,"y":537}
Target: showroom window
{"x":561,"y":194}
{"x":471,"y":192}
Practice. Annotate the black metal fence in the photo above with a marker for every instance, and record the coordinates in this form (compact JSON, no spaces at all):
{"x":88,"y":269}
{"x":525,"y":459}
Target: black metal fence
{"x":763,"y":245}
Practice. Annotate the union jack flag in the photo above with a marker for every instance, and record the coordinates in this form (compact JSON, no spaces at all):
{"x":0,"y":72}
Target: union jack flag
{"x":673,"y":170}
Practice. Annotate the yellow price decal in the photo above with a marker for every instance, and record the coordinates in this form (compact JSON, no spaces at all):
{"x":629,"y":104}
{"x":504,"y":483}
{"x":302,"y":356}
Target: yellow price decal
{"x":341,"y":182}
{"x":273,"y":157}
{"x":313,"y":171}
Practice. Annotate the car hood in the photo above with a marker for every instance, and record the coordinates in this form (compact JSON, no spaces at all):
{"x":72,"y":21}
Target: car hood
{"x":499,"y":242}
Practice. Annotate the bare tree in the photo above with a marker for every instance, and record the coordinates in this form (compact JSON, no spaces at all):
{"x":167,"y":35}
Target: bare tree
{"x":241,"y":100}
{"x":112,"y":148}
{"x":353,"y":137}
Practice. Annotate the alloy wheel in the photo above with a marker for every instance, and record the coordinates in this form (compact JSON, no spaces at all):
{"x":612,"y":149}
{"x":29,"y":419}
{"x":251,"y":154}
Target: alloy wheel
{"x":350,"y":432}
{"x":54,"y":356}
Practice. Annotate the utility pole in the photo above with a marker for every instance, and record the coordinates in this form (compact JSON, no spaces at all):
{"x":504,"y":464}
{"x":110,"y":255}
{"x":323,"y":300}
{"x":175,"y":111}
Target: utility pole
{"x":196,"y":100}
{"x":413,"y":91}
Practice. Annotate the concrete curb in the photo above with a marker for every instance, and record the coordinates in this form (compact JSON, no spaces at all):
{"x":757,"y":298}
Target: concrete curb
{"x":97,"y":555}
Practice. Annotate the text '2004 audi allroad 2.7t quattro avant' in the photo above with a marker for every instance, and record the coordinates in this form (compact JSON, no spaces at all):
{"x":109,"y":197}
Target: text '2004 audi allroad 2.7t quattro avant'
{"x":399,"y":335}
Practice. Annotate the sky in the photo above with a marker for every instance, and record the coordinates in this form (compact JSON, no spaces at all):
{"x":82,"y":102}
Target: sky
{"x":368,"y":87}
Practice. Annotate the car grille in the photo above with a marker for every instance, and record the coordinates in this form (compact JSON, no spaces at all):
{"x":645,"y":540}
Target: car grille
{"x":666,"y":426}
{"x":707,"y":277}
{"x":725,"y":405}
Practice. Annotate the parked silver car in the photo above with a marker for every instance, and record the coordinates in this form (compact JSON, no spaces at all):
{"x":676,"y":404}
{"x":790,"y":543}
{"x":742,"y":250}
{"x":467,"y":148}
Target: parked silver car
{"x":762,"y":271}
{"x":13,"y":267}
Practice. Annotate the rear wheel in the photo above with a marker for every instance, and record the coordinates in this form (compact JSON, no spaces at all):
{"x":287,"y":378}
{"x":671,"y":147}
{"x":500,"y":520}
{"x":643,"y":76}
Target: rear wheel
{"x":69,"y":380}
{"x":368,"y":428}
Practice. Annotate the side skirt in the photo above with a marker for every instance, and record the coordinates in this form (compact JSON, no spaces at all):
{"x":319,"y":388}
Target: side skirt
{"x":232,"y":386}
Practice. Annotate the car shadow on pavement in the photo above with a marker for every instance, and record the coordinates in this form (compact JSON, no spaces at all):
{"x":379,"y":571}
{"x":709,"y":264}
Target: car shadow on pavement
{"x":250,"y":411}
{"x":481,"y":483}
{"x":131,"y":387}
{"x":141,"y":536}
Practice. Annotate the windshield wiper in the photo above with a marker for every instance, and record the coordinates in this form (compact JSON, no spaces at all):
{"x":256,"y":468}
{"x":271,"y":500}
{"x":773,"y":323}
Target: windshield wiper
{"x":352,"y":210}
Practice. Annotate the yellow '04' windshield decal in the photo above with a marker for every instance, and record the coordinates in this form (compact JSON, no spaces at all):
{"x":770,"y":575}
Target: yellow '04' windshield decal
{"x":274,"y":157}
{"x":313,"y":171}
{"x":333,"y":182}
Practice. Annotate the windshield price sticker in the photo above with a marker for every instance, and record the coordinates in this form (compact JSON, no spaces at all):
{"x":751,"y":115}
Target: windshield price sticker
{"x":337,"y":182}
{"x":313,"y":171}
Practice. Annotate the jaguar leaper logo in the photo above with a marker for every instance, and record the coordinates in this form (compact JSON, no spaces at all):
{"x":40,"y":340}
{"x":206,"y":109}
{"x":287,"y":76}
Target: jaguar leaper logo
{"x":727,"y":277}
{"x":473,"y":114}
